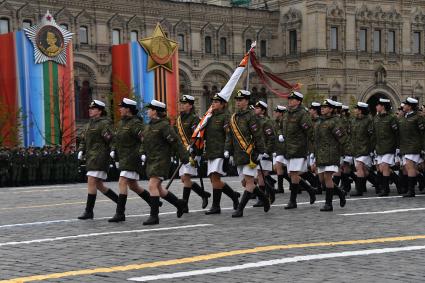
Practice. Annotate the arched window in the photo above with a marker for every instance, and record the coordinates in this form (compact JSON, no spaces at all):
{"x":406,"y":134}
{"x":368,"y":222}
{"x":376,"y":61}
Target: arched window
{"x":263,"y":48}
{"x":64,"y":26}
{"x":83,"y":35}
{"x":116,"y":36}
{"x":26,"y":23}
{"x":248,"y":43}
{"x":208,"y":45}
{"x":83,"y":96}
{"x":4,"y":25}
{"x":134,"y":35}
{"x":223,"y":46}
{"x":180,"y":39}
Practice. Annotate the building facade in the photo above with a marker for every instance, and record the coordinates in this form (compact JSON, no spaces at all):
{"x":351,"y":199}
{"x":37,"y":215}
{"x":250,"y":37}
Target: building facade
{"x":348,"y":50}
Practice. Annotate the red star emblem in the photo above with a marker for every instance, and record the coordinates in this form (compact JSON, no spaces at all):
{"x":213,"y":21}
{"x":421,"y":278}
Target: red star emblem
{"x":49,"y":18}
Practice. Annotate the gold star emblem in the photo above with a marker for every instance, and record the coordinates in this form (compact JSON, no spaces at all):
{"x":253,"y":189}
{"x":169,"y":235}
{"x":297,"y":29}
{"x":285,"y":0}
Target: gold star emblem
{"x":160,"y":49}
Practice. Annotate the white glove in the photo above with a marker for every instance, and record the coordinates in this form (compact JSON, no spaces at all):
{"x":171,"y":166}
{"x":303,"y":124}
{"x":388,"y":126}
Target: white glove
{"x":198,"y":159}
{"x":189,"y":148}
{"x":281,"y":138}
{"x":231,"y":161}
{"x":143,"y":158}
{"x":117,"y":164}
{"x":226,"y":154}
{"x":80,"y":155}
{"x":112,"y":154}
{"x":260,"y":156}
{"x":397,"y":151}
{"x":265,"y":156}
{"x":274,"y":154}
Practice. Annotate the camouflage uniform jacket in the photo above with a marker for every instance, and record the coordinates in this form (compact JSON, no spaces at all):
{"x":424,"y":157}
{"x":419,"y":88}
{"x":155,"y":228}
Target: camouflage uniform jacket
{"x":329,"y":137}
{"x":385,"y":133}
{"x":95,"y":142}
{"x":189,"y":122}
{"x":279,"y":147}
{"x":126,"y":143}
{"x":159,"y":143}
{"x":215,"y":134}
{"x":251,"y":130}
{"x":267,"y":127}
{"x":362,"y":136}
{"x":412,"y":129}
{"x":297,"y":130}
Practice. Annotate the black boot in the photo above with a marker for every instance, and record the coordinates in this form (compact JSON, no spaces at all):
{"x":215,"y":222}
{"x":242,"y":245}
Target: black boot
{"x":153,"y":217}
{"x":293,"y":197}
{"x":336,"y":180}
{"x":346,"y":183}
{"x":421,"y":182}
{"x":280,"y":188}
{"x":186,"y":194}
{"x":88,"y":212}
{"x":215,"y":208}
{"x":309,"y":189}
{"x":396,"y":180}
{"x":146,"y":196}
{"x":373,"y":179}
{"x":341,"y":194}
{"x":403,"y":183}
{"x":358,"y":187}
{"x":111,"y":195}
{"x":385,"y":185}
{"x":262,"y":197}
{"x":202,"y":193}
{"x":180,"y":204}
{"x":259,"y":202}
{"x":232,"y":194}
{"x":328,"y":203}
{"x":378,"y":187}
{"x":119,"y":215}
{"x":270,"y":192}
{"x":411,"y":183}
{"x":244,"y":200}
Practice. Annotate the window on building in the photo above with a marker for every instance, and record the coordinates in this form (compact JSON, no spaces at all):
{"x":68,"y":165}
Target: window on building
{"x":223,"y":46}
{"x":116,"y":36}
{"x":84,"y":36}
{"x":180,"y":39}
{"x":334,"y":38}
{"x":416,"y":43}
{"x":26,"y":23}
{"x":263,"y":48}
{"x":64,"y":26}
{"x":134,"y":35}
{"x":4,"y":26}
{"x":363,"y":40}
{"x":248,"y":43}
{"x":292,"y":42}
{"x":208,"y":45}
{"x":391,"y":41}
{"x":377,"y":41}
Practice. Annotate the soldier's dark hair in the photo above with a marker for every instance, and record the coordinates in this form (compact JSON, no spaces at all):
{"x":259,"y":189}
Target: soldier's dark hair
{"x":161,"y":114}
{"x":103,"y":113}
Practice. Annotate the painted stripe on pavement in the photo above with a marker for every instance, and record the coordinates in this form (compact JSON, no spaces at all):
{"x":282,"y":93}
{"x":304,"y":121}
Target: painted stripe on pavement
{"x":206,"y":257}
{"x":36,"y":241}
{"x":274,"y":262}
{"x":383,"y":211}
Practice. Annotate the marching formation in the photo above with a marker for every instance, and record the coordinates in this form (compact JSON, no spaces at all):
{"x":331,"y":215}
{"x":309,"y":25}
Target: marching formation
{"x":316,"y":149}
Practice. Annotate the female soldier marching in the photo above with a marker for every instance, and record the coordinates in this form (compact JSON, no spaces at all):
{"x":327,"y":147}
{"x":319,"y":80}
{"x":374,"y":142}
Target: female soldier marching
{"x":329,"y":135}
{"x":215,"y":139}
{"x":186,"y":123}
{"x":159,"y":142}
{"x":95,"y":141}
{"x":126,"y":143}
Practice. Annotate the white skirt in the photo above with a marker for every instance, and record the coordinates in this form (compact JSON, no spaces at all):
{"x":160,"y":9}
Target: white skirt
{"x":215,"y":166}
{"x":297,"y":165}
{"x":188,"y":169}
{"x":366,"y":160}
{"x":386,"y":158}
{"x":266,"y":164}
{"x":413,"y":157}
{"x":330,"y":168}
{"x":245,"y":170}
{"x":279,"y":158}
{"x":130,"y":175}
{"x":98,"y":174}
{"x":347,"y":159}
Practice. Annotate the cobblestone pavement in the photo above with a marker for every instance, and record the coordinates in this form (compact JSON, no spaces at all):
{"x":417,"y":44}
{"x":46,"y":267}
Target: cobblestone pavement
{"x":371,"y":239}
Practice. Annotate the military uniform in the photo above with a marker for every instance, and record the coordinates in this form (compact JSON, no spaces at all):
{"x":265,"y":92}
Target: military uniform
{"x":279,"y":154}
{"x":246,"y":143}
{"x":185,"y":126}
{"x":297,"y":133}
